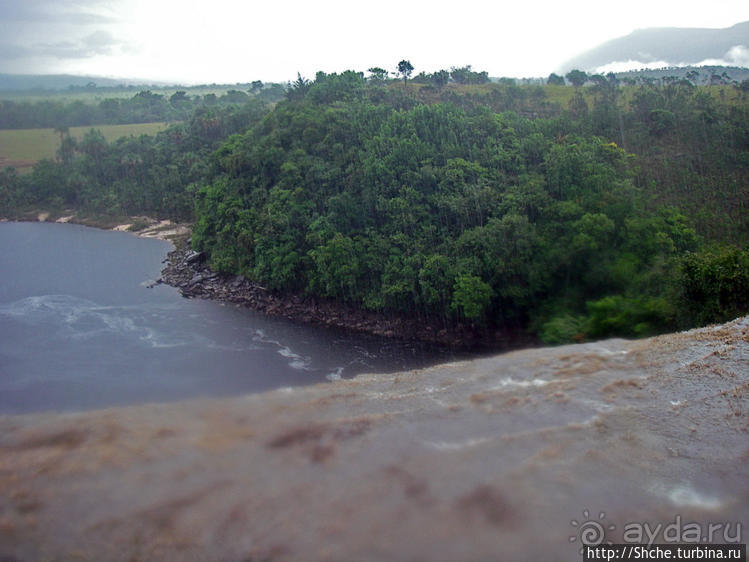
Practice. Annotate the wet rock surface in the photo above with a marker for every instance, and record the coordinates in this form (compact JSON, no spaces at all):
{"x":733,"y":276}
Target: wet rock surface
{"x":503,"y":458}
{"x":188,"y":271}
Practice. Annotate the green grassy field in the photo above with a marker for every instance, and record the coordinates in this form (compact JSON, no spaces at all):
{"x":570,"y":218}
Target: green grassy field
{"x":22,"y":148}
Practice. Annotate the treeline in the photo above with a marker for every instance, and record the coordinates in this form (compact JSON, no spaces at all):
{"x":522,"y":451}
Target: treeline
{"x":143,"y":107}
{"x":703,"y":75}
{"x":491,"y":206}
{"x":156,"y":175}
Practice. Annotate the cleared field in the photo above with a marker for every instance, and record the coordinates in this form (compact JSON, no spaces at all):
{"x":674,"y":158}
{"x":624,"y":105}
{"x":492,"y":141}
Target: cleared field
{"x":22,"y":148}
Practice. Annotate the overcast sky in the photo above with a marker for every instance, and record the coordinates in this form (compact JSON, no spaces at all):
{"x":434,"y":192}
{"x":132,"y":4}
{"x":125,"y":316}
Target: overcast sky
{"x":225,"y":41}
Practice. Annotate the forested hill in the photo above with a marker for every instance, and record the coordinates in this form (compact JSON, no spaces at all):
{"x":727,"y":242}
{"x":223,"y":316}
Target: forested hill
{"x":571,"y":213}
{"x":456,"y":212}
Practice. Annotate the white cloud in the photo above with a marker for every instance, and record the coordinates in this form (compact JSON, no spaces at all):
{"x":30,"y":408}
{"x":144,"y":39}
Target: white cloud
{"x":624,"y":66}
{"x":229,"y":41}
{"x":737,"y":55}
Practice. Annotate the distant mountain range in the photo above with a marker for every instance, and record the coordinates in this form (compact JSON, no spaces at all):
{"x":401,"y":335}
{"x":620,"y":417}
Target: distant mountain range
{"x":30,"y":82}
{"x":667,"y":46}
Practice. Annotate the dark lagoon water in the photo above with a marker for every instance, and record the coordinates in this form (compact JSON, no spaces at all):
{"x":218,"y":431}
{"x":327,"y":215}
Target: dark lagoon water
{"x":79,"y":329}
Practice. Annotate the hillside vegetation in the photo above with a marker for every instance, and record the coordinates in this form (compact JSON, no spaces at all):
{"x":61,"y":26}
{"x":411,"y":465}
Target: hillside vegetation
{"x":605,"y":210}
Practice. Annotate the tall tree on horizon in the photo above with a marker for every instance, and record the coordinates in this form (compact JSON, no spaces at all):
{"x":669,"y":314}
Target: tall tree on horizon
{"x":405,"y":68}
{"x":378,"y":74}
{"x":576,"y":77}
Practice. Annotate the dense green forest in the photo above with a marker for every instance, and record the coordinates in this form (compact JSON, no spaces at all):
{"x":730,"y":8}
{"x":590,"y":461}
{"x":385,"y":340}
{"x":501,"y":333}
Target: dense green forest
{"x":147,"y":174}
{"x":621,"y":211}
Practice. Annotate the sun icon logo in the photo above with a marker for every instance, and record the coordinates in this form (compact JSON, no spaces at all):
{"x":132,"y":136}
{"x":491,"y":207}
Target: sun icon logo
{"x":591,"y":532}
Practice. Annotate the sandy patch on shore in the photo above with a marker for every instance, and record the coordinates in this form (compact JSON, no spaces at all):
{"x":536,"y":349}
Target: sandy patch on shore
{"x":162,"y":230}
{"x":144,"y":226}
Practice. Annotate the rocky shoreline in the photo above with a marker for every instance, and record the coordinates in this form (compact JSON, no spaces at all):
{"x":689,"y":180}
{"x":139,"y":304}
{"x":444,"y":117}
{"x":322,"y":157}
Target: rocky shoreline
{"x":188,"y":271}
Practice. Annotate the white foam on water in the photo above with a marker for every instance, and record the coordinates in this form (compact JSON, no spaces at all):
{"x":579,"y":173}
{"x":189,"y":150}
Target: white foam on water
{"x":335,"y":375}
{"x":82,"y":319}
{"x":231,"y":347}
{"x":600,"y":350}
{"x":262,"y":338}
{"x":297,"y":362}
{"x":43,"y":306}
{"x":364,"y":353}
{"x":598,"y":406}
{"x":685,"y":495}
{"x":286,"y":352}
{"x":456,"y":445}
{"x":509,"y":381}
{"x":159,"y":341}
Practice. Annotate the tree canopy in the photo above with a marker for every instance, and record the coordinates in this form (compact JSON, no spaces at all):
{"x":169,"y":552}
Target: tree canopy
{"x":478,"y":205}
{"x":576,"y":77}
{"x":405,"y":68}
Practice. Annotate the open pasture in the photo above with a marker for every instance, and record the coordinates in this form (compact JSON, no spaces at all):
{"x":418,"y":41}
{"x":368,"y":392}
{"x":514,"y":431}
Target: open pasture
{"x":22,"y":148}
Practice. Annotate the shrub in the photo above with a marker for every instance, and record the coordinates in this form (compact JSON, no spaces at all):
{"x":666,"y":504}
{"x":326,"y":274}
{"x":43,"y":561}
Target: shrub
{"x":714,"y":285}
{"x":563,"y":329}
{"x":618,"y":315}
